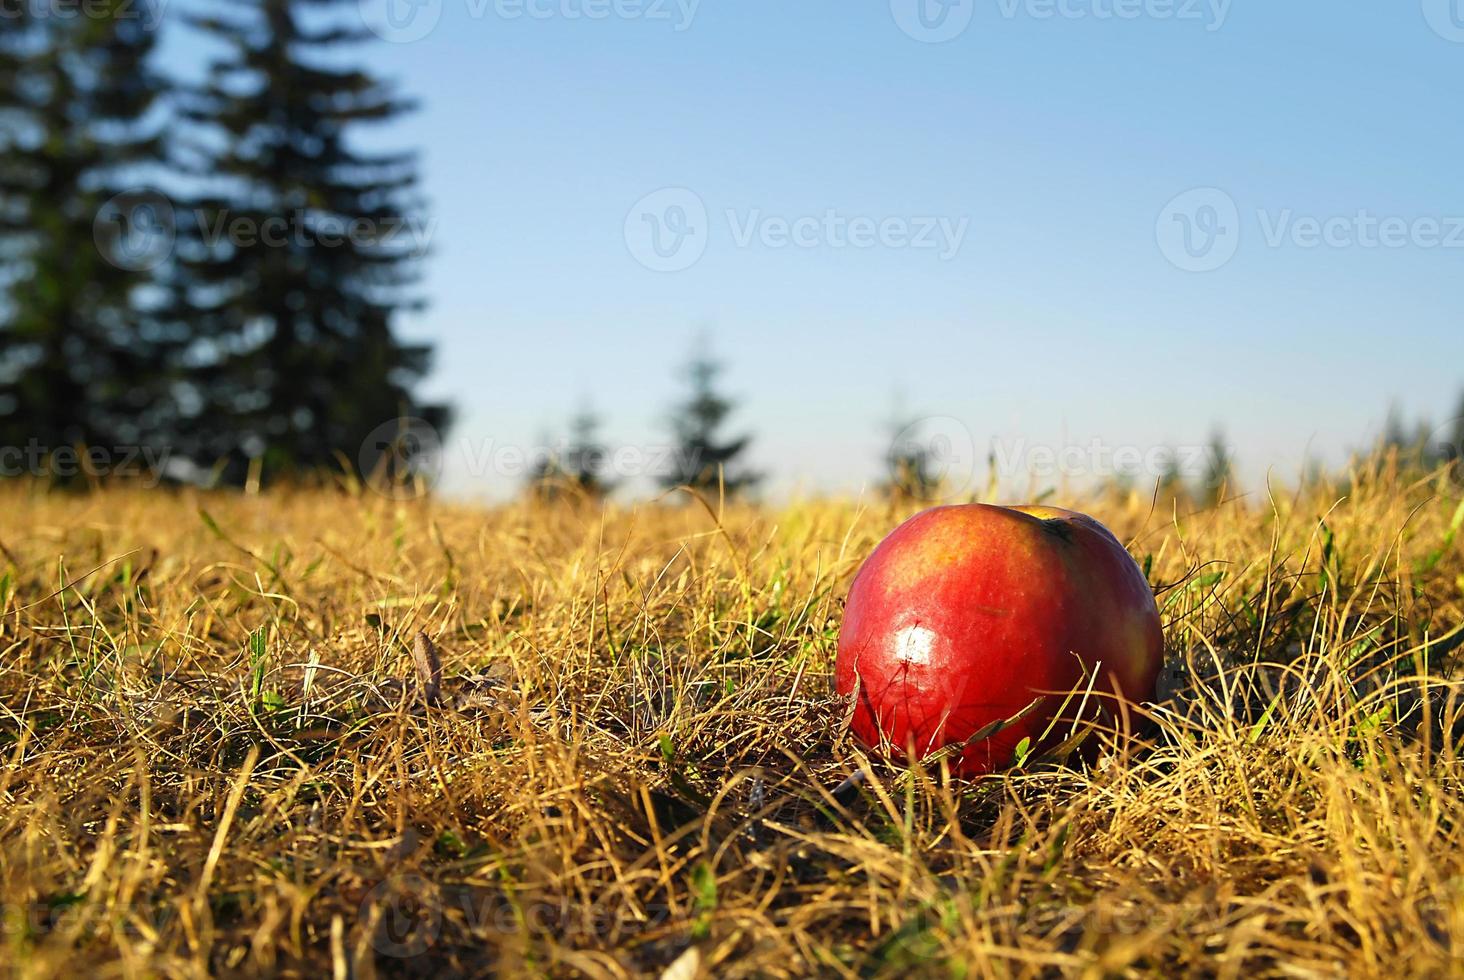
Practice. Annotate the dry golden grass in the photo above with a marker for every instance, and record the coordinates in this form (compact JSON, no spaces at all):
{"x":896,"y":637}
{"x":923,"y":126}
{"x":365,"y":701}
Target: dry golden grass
{"x":217,"y":758}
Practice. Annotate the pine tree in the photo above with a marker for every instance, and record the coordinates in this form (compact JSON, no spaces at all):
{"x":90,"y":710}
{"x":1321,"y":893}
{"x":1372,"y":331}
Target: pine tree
{"x":1452,"y":450}
{"x":302,"y":253}
{"x":1219,"y":469}
{"x":79,"y":357}
{"x":546,"y":477}
{"x":577,"y":469}
{"x":1171,"y":476}
{"x":1411,"y":449}
{"x":704,"y":461}
{"x":1395,"y":435}
{"x":912,"y":469}
{"x":585,"y":457}
{"x":1445,"y":445}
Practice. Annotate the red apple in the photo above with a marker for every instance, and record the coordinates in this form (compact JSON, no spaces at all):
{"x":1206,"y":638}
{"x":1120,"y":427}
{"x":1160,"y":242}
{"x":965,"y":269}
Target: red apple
{"x":966,"y":615}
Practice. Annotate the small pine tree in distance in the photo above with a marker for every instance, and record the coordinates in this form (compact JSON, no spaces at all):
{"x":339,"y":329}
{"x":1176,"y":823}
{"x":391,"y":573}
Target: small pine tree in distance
{"x":575,"y":470}
{"x":704,"y":459}
{"x":586,"y":456}
{"x":546,"y":477}
{"x":1219,"y":468}
{"x":1171,"y":477}
{"x":912,"y":467}
{"x":1451,"y":442}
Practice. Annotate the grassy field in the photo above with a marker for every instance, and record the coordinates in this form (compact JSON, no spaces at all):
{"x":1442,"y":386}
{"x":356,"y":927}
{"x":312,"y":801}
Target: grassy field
{"x":219,"y":755}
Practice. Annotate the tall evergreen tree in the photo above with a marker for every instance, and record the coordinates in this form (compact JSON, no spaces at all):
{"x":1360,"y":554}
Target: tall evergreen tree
{"x":302,"y":253}
{"x":79,"y":361}
{"x":705,"y":461}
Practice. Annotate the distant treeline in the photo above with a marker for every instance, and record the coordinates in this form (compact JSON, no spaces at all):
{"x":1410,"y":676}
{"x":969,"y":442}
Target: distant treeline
{"x":921,"y":464}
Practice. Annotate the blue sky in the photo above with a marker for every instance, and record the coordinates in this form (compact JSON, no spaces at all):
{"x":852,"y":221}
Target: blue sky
{"x":1319,"y":143}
